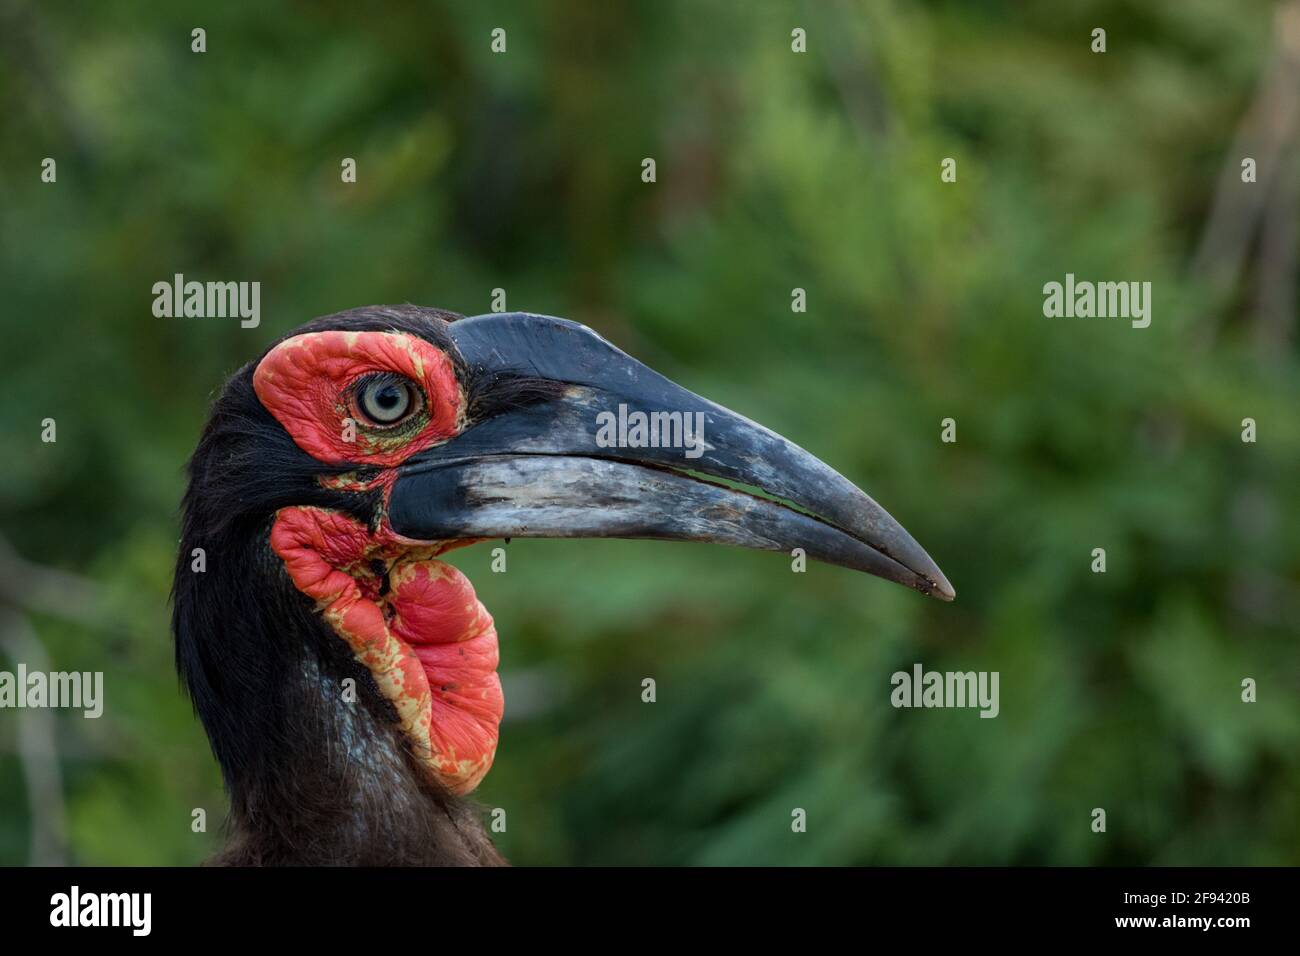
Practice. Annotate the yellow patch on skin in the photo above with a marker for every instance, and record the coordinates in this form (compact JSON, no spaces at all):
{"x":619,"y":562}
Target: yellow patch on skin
{"x":348,"y":481}
{"x":297,"y":342}
{"x":417,"y":360}
{"x":373,"y":443}
{"x":389,"y":663}
{"x":462,"y":412}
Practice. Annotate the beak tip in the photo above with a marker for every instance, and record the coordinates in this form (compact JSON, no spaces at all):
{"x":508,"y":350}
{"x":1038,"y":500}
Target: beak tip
{"x":925,"y":574}
{"x":940,"y":587}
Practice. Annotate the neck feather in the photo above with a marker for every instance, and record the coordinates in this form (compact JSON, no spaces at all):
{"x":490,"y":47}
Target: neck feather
{"x":349,"y":793}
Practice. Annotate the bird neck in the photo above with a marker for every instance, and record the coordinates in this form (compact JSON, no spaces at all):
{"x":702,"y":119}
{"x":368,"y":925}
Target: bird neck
{"x":343,"y":788}
{"x":315,"y":763}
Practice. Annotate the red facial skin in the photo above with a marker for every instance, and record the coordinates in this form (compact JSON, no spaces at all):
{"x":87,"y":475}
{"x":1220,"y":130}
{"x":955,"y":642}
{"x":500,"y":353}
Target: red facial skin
{"x":428,"y":642}
{"x":304,"y":380}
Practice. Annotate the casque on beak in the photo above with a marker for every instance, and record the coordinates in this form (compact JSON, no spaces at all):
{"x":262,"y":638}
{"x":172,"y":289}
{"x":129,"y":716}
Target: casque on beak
{"x":549,"y":470}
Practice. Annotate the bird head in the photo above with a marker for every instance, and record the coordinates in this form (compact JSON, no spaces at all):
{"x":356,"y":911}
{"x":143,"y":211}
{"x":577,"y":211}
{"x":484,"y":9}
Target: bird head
{"x":337,"y":468}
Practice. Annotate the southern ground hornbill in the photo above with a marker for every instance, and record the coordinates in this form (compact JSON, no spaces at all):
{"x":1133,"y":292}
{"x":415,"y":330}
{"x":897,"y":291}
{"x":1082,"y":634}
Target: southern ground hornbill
{"x":332,"y":473}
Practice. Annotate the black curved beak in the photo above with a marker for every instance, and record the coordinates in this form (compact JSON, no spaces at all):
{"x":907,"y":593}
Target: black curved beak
{"x":622,"y":452}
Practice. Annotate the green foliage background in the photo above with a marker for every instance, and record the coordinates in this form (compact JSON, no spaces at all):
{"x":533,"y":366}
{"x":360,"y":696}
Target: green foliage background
{"x":775,"y":171}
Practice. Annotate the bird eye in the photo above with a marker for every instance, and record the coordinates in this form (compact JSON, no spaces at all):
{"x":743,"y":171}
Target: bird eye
{"x":385,"y":400}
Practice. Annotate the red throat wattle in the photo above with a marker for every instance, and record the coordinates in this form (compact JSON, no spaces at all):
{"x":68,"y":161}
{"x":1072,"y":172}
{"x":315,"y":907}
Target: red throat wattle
{"x":428,"y":642}
{"x":413,"y":621}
